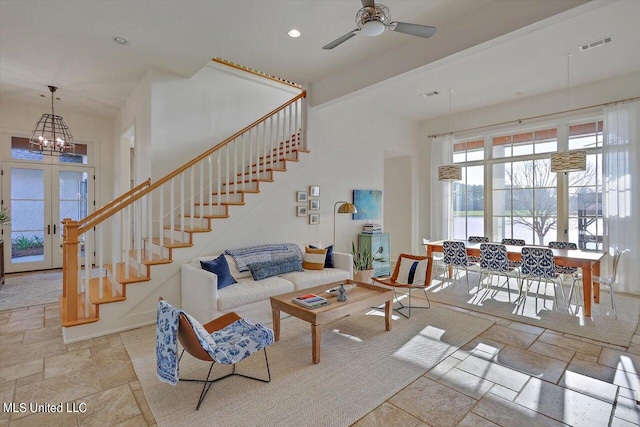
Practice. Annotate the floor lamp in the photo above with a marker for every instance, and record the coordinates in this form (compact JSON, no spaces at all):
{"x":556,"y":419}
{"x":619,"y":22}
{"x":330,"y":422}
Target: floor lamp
{"x":345,"y":208}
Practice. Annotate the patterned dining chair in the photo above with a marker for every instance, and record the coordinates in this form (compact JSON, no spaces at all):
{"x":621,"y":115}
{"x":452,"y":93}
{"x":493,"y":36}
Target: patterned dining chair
{"x":476,"y":239}
{"x":455,"y":255}
{"x":494,"y":260}
{"x":563,"y":269}
{"x":539,"y":263}
{"x":514,"y":242}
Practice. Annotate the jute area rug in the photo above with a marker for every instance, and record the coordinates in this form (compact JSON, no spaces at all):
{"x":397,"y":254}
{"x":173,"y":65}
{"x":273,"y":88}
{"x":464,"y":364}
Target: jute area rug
{"x":361,"y":366}
{"x":539,"y":310}
{"x":28,"y":289}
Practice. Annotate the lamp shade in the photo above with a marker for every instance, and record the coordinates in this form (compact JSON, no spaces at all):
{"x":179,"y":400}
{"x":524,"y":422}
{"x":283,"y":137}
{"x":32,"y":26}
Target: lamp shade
{"x":569,"y":161}
{"x":347,"y":208}
{"x":449,"y":173}
{"x":51,"y":134}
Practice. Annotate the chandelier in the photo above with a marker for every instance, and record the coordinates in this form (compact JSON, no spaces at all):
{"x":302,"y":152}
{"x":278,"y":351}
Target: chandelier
{"x":51,"y":135}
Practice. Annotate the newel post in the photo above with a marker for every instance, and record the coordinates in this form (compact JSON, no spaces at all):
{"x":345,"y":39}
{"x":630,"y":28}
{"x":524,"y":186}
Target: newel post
{"x":70,"y":267}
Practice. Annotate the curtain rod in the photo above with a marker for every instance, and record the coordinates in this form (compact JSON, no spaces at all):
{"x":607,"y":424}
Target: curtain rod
{"x":535,"y":117}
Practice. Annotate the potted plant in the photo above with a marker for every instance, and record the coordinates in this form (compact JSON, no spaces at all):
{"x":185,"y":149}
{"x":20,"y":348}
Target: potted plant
{"x":362,"y":263}
{"x":5,"y":218}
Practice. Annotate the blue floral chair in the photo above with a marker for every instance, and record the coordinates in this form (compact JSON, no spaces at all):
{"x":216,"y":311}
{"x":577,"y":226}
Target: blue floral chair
{"x":563,"y":269}
{"x":455,"y":255}
{"x":539,"y":263}
{"x":514,"y":242}
{"x":476,"y":239}
{"x":226,"y":340}
{"x":494,"y":260}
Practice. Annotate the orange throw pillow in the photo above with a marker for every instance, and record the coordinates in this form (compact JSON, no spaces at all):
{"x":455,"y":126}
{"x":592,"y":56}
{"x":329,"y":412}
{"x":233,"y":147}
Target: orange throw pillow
{"x":314,"y":259}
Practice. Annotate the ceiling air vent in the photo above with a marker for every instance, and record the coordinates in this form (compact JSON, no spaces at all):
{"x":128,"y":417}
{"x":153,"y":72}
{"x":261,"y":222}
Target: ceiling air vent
{"x":595,"y":43}
{"x":434,"y":93}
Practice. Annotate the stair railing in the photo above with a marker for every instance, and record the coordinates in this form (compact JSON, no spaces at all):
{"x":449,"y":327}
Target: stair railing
{"x":142,"y":224}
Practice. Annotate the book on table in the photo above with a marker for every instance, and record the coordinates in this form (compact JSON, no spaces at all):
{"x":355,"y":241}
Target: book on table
{"x":311,"y":301}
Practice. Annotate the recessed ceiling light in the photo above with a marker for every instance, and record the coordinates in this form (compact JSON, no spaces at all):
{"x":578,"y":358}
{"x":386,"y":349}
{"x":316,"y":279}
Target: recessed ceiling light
{"x":294,"y":33}
{"x":428,"y":94}
{"x":120,"y":40}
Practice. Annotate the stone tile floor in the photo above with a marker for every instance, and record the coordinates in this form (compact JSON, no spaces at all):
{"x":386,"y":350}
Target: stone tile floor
{"x":513,"y":374}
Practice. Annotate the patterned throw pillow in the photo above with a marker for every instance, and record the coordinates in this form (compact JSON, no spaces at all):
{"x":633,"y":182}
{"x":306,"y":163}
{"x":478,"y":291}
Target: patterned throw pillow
{"x":328,"y":261}
{"x":220,"y":268}
{"x":264,"y":269}
{"x":412,"y":272}
{"x":314,"y":259}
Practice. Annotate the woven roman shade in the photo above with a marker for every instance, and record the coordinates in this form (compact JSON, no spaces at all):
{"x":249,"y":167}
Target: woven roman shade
{"x":569,"y":161}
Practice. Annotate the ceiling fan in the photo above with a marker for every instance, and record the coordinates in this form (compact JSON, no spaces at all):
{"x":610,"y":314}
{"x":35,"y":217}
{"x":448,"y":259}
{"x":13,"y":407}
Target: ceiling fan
{"x":373,"y":18}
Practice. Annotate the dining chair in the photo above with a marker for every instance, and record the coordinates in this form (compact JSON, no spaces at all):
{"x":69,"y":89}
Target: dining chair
{"x":476,"y":239}
{"x":606,"y":281}
{"x":438,"y":258}
{"x":227,"y":340}
{"x":409,"y":273}
{"x":494,"y":260}
{"x":514,"y":242}
{"x":455,"y":255}
{"x":563,"y":269}
{"x":539,"y":263}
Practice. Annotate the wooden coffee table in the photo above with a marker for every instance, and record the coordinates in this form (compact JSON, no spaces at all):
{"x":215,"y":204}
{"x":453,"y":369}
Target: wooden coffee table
{"x":358,"y":299}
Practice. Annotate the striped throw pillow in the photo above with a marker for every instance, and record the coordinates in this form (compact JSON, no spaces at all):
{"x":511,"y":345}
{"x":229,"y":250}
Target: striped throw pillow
{"x":314,"y":259}
{"x":412,"y":272}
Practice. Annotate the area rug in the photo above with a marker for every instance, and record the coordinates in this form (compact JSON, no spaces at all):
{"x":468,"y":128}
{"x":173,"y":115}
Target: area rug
{"x":361,"y":366}
{"x":28,"y":289}
{"x":539,"y":311}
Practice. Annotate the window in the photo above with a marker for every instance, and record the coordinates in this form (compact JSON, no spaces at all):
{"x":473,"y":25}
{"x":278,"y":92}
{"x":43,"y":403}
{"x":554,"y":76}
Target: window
{"x":585,"y":188}
{"x":468,"y":194}
{"x":20,"y":151}
{"x":521,"y":144}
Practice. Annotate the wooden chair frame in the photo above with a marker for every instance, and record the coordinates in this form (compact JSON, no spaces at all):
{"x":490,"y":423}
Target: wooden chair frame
{"x":391,"y":281}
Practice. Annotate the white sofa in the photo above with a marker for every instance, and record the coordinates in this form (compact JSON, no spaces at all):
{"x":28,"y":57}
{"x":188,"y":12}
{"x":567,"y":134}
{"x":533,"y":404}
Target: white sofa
{"x":249,"y":298}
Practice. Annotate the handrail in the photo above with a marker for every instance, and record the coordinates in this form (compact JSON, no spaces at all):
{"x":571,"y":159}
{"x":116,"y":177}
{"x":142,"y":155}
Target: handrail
{"x":186,"y":166}
{"x":115,"y":201}
{"x":256,"y":72}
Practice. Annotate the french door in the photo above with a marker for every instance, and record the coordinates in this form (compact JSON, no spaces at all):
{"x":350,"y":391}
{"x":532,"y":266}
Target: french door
{"x":40,"y":196}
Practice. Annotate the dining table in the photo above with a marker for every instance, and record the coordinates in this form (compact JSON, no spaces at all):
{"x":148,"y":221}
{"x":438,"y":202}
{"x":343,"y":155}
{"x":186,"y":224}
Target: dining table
{"x":587,"y":260}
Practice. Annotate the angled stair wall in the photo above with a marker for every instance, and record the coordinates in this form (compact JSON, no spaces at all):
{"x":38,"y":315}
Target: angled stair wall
{"x":150,"y":224}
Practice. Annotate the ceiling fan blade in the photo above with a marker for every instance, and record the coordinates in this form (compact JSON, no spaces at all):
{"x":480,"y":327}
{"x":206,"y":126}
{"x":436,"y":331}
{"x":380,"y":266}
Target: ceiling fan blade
{"x":368,"y":3}
{"x":341,"y":40}
{"x":413,"y":29}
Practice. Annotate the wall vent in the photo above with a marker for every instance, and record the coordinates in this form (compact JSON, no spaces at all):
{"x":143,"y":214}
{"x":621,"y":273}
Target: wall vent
{"x":428,"y":94}
{"x":595,"y":43}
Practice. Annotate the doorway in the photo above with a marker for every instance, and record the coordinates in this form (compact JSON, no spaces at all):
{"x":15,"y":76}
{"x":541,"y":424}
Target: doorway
{"x":40,"y":196}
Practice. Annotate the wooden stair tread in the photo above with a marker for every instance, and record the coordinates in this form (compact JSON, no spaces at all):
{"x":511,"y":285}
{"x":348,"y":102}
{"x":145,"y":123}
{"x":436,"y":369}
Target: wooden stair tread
{"x":149,"y":258}
{"x":246,"y":181}
{"x":219,"y":204}
{"x":94,"y":292}
{"x":81,"y":320}
{"x":187,"y":229}
{"x":222,"y":193}
{"x":120,"y":275}
{"x":207,"y":216}
{"x":167,"y":243}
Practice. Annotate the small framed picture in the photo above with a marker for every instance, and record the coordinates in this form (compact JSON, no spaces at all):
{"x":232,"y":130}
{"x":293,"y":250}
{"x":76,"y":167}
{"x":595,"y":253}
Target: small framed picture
{"x":301,"y":210}
{"x":314,"y":205}
{"x":301,"y":196}
{"x":314,"y":219}
{"x":314,"y":190}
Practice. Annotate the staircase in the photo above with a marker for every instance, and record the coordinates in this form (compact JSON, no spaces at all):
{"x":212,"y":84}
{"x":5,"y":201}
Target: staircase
{"x":144,"y":227}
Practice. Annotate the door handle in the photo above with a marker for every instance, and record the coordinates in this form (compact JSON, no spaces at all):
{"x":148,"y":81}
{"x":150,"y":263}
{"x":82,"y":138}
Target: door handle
{"x":54,"y":229}
{"x":49,"y":229}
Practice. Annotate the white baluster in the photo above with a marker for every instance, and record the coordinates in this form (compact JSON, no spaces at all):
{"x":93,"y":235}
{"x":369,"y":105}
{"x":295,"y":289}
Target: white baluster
{"x":235,"y":166}
{"x":227,"y":172}
{"x":252,"y":136}
{"x":201,"y":193}
{"x":182,"y":203}
{"x":219,"y":173}
{"x":149,"y":219}
{"x":115,"y":244}
{"x":210,"y":187}
{"x":160,"y":222}
{"x":296,"y":125}
{"x":87,"y":261}
{"x":100,"y":250}
{"x":192,"y":199}
{"x":242,"y":163}
{"x":172,"y":222}
{"x":138,"y":231}
{"x":127,"y":245}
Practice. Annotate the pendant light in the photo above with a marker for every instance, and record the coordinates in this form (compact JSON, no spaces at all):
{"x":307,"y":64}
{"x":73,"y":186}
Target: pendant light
{"x":450,"y":172}
{"x":52,"y":135}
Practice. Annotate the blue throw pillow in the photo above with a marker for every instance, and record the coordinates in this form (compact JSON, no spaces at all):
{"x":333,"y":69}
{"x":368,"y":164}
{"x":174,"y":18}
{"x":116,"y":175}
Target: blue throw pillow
{"x":220,"y":268}
{"x":328,"y":261}
{"x":264,"y":269}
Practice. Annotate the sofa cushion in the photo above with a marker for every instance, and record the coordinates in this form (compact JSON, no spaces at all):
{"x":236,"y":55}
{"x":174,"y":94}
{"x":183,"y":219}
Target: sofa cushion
{"x":220,"y":268}
{"x":247,"y":291}
{"x":233,"y":268}
{"x":264,"y":269}
{"x":412,"y":272}
{"x":328,"y":261}
{"x":311,"y":278}
{"x":314,"y":259}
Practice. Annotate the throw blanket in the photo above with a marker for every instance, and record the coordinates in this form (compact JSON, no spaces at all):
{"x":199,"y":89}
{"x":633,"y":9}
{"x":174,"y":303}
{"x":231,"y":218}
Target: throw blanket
{"x":261,"y":253}
{"x":228,"y":345}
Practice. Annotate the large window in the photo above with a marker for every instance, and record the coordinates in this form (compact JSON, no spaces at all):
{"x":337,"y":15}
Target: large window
{"x":525,"y":199}
{"x":468,"y":194}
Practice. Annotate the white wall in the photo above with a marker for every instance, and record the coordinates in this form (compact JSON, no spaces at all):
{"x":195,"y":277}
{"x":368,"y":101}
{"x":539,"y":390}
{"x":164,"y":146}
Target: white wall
{"x":398,"y":202}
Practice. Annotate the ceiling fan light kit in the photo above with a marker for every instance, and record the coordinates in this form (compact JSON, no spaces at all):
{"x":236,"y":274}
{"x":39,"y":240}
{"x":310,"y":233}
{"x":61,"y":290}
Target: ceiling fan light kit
{"x":373,"y":18}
